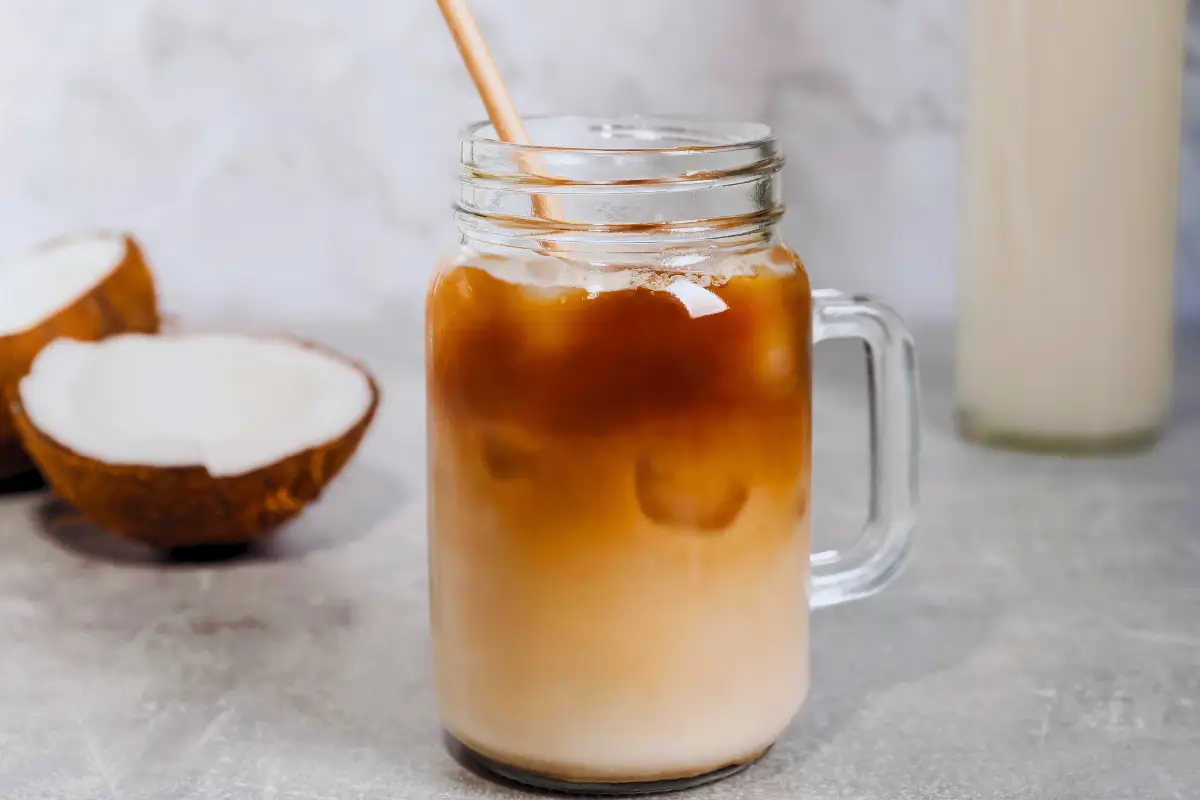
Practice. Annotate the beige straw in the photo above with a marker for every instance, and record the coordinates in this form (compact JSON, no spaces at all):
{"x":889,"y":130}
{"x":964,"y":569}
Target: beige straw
{"x":492,"y":91}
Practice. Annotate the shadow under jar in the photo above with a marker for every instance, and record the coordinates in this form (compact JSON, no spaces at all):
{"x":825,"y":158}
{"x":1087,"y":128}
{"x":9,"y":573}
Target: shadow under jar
{"x":619,"y":395}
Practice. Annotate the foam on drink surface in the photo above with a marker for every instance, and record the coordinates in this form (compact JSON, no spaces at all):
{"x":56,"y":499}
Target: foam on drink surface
{"x":554,"y":272}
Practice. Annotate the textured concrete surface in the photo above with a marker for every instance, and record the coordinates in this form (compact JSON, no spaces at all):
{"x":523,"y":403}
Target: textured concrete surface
{"x":1045,"y":641}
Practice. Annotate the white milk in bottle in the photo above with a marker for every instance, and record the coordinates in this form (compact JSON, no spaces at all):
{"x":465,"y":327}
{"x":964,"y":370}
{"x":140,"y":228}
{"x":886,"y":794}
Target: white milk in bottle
{"x":1068,"y":234}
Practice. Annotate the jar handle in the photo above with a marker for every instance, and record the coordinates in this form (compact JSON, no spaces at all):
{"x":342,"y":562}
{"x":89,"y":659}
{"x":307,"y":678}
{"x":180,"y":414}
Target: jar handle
{"x":839,"y":576}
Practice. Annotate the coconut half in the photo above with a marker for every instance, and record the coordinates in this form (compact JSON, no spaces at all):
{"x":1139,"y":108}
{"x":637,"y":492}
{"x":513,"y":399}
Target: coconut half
{"x":192,"y":439}
{"x":86,"y":286}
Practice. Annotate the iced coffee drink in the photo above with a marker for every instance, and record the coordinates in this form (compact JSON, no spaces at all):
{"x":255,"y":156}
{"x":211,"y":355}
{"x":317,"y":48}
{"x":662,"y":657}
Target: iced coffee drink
{"x":619,"y":477}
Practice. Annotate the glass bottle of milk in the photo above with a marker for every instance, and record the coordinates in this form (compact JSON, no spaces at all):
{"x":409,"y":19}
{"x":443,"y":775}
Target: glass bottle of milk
{"x":1067,"y":244}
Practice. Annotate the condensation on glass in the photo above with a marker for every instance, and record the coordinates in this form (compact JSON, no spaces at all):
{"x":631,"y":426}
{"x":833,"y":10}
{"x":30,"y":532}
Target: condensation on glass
{"x":619,"y":455}
{"x":1068,"y":233}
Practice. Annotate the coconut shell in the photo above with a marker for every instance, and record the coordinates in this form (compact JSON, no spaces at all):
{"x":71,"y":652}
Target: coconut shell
{"x":170,"y":507}
{"x":124,"y":302}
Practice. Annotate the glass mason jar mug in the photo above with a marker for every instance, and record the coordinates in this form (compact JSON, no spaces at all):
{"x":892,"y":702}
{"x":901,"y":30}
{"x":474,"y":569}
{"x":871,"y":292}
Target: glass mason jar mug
{"x":619,"y":394}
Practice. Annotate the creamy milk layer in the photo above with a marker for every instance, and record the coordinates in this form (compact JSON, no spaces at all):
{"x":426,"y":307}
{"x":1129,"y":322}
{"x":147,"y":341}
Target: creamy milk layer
{"x":618,"y":514}
{"x":620,"y":647}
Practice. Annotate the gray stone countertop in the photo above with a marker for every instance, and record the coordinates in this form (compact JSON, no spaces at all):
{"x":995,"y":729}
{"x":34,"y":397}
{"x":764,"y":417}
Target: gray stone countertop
{"x":1043,"y":643}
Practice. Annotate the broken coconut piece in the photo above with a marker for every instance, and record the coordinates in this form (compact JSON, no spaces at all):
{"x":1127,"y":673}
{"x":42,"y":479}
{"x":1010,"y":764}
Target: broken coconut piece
{"x":192,"y":439}
{"x":85,"y":286}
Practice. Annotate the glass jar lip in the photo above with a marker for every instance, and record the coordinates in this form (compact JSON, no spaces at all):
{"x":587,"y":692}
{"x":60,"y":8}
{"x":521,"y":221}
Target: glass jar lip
{"x":723,"y":136}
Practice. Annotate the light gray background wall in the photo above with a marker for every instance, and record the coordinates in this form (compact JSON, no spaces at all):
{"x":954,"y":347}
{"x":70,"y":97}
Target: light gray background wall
{"x":294,"y":158}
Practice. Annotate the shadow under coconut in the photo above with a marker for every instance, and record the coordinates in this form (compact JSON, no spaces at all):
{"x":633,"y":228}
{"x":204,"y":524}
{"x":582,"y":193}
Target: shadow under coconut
{"x":22,"y":483}
{"x":358,"y":500}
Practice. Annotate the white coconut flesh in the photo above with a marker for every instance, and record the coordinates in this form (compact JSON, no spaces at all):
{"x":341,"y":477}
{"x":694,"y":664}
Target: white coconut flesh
{"x":231,"y":404}
{"x":43,"y":282}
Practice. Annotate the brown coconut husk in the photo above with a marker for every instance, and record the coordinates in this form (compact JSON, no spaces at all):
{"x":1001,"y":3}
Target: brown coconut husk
{"x":123,"y":302}
{"x":170,"y":507}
